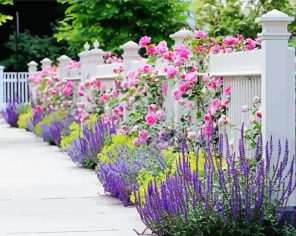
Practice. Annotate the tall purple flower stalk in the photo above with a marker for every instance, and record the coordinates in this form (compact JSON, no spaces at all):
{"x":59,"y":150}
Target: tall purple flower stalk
{"x":84,"y":150}
{"x":229,"y":196}
{"x":35,"y":119}
{"x":52,"y":133}
{"x":10,"y":113}
{"x":119,"y":177}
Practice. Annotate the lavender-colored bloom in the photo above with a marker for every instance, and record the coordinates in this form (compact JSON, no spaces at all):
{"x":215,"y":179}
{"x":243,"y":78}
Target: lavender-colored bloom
{"x":86,"y":147}
{"x":10,"y":113}
{"x":119,"y":177}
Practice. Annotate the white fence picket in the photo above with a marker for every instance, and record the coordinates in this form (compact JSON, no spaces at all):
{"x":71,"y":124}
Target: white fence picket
{"x":13,"y":86}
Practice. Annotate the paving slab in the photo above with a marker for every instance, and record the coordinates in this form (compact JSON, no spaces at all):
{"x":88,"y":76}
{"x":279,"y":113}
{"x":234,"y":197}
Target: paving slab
{"x":43,"y":193}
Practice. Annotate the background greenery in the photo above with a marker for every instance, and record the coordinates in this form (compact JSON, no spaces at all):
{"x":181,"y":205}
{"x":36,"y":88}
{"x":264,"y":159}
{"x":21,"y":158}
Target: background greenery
{"x":115,"y":22}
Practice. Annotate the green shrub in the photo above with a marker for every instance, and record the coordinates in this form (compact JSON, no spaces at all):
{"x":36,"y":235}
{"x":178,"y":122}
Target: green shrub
{"x":117,"y":140}
{"x":22,"y":121}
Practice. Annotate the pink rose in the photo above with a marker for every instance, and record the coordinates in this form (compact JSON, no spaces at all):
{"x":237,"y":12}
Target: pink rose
{"x":191,"y":135}
{"x":228,"y":90}
{"x":176,"y":94}
{"x":146,"y":69}
{"x":212,"y":86}
{"x":131,"y":100}
{"x":151,"y":118}
{"x":162,"y":47}
{"x":38,"y":109}
{"x":151,"y":108}
{"x":200,"y":34}
{"x":81,"y":94}
{"x":259,"y":114}
{"x":144,"y":41}
{"x":230,"y":40}
{"x":170,"y":71}
{"x":136,"y":142}
{"x":143,"y":134}
{"x":244,"y":108}
{"x":224,"y":103}
{"x":67,"y":91}
{"x":107,"y":54}
{"x":80,"y":104}
{"x":160,"y":115}
{"x":216,"y":103}
{"x":183,"y":88}
{"x":207,"y":117}
{"x":165,"y":88}
{"x":151,"y":50}
{"x":135,"y":128}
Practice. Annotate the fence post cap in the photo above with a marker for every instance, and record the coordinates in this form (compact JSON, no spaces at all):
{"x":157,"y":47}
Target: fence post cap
{"x":45,"y":60}
{"x":274,"y":25}
{"x":63,"y":58}
{"x":130,"y":44}
{"x":183,"y":33}
{"x":86,"y":46}
{"x":32,"y":63}
{"x":274,"y":16}
{"x":96,"y":44}
{"x":2,"y":67}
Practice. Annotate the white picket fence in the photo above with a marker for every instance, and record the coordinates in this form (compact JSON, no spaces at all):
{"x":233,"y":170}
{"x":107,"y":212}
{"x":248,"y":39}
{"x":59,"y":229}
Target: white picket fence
{"x":13,"y":86}
{"x":268,"y":72}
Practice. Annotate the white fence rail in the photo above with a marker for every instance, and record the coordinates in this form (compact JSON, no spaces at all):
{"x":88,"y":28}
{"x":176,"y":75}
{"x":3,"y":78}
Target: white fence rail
{"x":13,"y":86}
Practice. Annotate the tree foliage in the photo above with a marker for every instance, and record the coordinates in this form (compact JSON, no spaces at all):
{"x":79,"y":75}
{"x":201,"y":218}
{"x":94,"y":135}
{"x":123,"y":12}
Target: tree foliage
{"x":222,"y":18}
{"x":31,"y":47}
{"x":115,"y":22}
{"x":4,"y":18}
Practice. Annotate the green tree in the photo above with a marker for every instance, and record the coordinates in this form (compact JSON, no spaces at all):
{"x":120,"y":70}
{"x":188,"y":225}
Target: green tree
{"x":32,"y":47}
{"x":3,"y":17}
{"x":222,"y":19}
{"x":115,"y":22}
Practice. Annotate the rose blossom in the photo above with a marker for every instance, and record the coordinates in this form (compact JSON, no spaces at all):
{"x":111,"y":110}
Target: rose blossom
{"x":135,"y":128}
{"x":136,"y":142}
{"x":165,"y":88}
{"x":259,"y":114}
{"x":207,"y":117}
{"x":170,"y":71}
{"x":256,"y":100}
{"x":200,"y":34}
{"x":176,"y":94}
{"x":144,"y":41}
{"x":244,"y":108}
{"x":151,"y":118}
{"x":227,"y":90}
{"x":160,"y":115}
{"x":151,"y":107}
{"x":131,"y":100}
{"x":216,"y":103}
{"x":143,"y":134}
{"x":191,"y":135}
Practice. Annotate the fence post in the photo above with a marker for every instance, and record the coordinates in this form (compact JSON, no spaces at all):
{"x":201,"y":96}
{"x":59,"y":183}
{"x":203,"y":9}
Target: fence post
{"x":32,"y":68}
{"x":63,"y":63}
{"x":95,"y":58}
{"x":278,"y":82}
{"x":84,"y":62}
{"x":179,"y":38}
{"x":130,"y":55}
{"x":45,"y":63}
{"x":2,"y":105}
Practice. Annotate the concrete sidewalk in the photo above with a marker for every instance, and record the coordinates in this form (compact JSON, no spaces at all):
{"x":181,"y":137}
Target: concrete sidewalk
{"x":43,"y":193}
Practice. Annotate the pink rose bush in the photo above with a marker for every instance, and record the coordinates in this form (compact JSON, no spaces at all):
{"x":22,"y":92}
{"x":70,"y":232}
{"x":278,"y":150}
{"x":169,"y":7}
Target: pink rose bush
{"x":137,"y":97}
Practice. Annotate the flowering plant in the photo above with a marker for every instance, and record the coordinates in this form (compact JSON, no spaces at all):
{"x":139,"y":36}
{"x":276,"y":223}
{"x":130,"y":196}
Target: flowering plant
{"x":236,"y":200}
